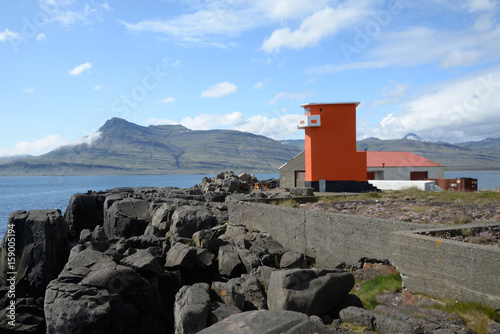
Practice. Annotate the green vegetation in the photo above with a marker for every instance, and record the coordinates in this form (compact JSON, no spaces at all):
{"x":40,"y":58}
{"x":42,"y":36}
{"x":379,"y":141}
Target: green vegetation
{"x":376,"y":286}
{"x":475,"y":315}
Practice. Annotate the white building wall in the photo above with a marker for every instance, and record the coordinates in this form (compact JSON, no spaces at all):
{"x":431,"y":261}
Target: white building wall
{"x":403,"y":173}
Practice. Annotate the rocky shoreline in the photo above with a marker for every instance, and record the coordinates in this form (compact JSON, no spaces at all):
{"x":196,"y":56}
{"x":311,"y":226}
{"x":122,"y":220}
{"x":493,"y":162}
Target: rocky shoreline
{"x":150,"y":260}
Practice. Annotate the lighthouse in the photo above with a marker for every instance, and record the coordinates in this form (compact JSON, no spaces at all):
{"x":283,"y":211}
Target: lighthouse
{"x":333,"y":163}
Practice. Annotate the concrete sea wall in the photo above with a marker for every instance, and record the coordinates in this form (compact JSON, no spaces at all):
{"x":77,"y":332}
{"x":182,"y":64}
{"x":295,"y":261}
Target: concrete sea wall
{"x":429,"y":265}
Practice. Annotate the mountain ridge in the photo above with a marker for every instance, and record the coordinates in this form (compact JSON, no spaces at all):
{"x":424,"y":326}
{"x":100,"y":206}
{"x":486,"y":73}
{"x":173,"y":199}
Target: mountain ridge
{"x":127,"y":148}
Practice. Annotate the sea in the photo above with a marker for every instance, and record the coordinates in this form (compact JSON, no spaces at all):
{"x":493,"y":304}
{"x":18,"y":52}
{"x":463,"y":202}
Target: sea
{"x":54,"y":192}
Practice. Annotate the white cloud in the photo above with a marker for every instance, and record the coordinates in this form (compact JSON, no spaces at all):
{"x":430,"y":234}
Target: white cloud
{"x":395,"y":91}
{"x":213,"y":22}
{"x":98,"y":87}
{"x":80,"y":69}
{"x":281,"y":127}
{"x":289,"y":96}
{"x":41,"y":37}
{"x":480,"y":5}
{"x":8,"y":35}
{"x":160,"y":121}
{"x":220,"y":89}
{"x":69,"y":12}
{"x":28,"y":90}
{"x":168,"y":100}
{"x":46,"y":144}
{"x":320,"y":25}
{"x":463,"y":109}
{"x":448,"y":49}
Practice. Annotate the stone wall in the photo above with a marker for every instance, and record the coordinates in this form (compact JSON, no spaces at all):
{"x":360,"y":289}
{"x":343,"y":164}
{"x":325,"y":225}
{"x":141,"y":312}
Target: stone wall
{"x":447,"y":268}
{"x":433,"y":266}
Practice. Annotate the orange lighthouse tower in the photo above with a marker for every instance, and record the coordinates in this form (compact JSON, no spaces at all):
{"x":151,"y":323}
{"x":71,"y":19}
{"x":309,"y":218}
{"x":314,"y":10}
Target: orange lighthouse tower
{"x":332,"y":162}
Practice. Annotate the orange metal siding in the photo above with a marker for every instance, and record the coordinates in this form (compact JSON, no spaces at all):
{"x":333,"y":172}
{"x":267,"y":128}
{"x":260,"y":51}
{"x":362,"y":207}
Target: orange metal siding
{"x":331,"y":148}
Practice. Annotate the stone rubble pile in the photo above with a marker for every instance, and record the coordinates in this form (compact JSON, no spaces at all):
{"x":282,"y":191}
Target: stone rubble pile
{"x":149,"y":260}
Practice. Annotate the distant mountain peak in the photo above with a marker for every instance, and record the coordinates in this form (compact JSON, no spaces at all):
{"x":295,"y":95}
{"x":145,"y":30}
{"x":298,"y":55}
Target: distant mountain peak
{"x":412,"y":136}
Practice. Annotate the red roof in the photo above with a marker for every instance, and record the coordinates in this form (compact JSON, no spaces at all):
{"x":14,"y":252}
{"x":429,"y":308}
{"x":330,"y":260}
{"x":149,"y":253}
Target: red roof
{"x":397,"y":159}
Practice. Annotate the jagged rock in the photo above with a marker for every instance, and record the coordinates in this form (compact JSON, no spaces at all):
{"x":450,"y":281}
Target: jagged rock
{"x":245,"y":293}
{"x":302,"y":191}
{"x":263,"y":246}
{"x":263,"y":274}
{"x":85,"y":235}
{"x":214,"y":196}
{"x":143,"y":242}
{"x":95,"y":295}
{"x":350,"y":300}
{"x":189,"y":219}
{"x":28,"y":314}
{"x":229,"y":262}
{"x":162,"y":217}
{"x":231,"y":185}
{"x":249,"y":260}
{"x":203,"y":237}
{"x":85,"y":211}
{"x":143,"y":261}
{"x":310,"y":291}
{"x":291,"y":260}
{"x":229,"y":294}
{"x":126,"y":218}
{"x":220,"y":311}
{"x":98,"y":234}
{"x":41,"y":250}
{"x":238,"y":235}
{"x":74,"y":308}
{"x":191,"y":308}
{"x":269,"y":322}
{"x":181,"y":255}
{"x":204,"y":257}
{"x":375,"y":321}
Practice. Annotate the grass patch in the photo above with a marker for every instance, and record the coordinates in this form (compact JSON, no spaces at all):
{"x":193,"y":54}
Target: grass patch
{"x":475,"y":315}
{"x":289,"y":203}
{"x":376,"y":286}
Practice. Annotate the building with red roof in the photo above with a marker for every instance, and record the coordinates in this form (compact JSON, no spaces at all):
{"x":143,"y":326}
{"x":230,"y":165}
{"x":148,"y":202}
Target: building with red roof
{"x":381,"y":165}
{"x":390,"y":165}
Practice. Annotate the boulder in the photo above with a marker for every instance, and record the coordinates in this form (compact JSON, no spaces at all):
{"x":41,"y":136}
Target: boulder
{"x":143,"y":261}
{"x":245,"y":292}
{"x":162,"y":217}
{"x":181,"y":255}
{"x":191,"y":308}
{"x":189,"y":219}
{"x":41,"y":250}
{"x":302,"y":191}
{"x":231,"y":185}
{"x":291,"y":260}
{"x":220,"y":311}
{"x":249,"y":260}
{"x":269,"y":322}
{"x":95,"y":295}
{"x":229,"y":262}
{"x":85,"y":211}
{"x":374,"y":321}
{"x":126,"y":218}
{"x":310,"y":291}
{"x":74,"y":308}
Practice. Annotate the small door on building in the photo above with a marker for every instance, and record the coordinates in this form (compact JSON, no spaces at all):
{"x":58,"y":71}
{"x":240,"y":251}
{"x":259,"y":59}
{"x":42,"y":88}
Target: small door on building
{"x":370,"y":175}
{"x":300,"y":178}
{"x":418,"y":176}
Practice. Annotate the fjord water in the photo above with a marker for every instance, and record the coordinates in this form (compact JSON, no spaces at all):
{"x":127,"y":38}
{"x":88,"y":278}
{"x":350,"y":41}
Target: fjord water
{"x":54,"y":192}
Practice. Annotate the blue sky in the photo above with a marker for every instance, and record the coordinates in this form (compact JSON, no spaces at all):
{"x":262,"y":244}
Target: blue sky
{"x":430,"y":67}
